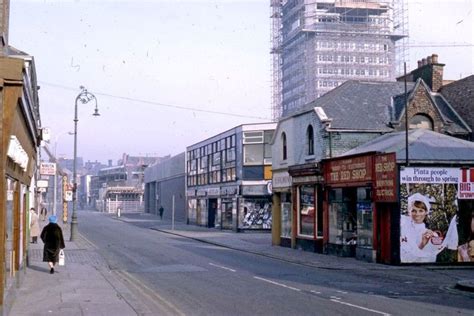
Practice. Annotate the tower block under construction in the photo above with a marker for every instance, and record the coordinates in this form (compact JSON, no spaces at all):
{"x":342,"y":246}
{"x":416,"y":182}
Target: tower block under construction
{"x":319,"y":44}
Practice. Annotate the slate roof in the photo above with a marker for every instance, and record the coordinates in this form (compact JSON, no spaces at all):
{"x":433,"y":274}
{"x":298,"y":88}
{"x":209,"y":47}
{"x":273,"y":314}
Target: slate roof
{"x":360,"y":105}
{"x":372,"y":106}
{"x":424,"y":146}
{"x":460,"y":94}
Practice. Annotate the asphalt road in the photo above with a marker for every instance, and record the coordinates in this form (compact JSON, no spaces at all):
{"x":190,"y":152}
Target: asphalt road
{"x":186,"y":277}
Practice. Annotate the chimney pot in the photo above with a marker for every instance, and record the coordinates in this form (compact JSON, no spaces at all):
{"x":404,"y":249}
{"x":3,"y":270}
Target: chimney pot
{"x":423,"y":61}
{"x":428,"y":59}
{"x":420,"y":63}
{"x":434,"y":58}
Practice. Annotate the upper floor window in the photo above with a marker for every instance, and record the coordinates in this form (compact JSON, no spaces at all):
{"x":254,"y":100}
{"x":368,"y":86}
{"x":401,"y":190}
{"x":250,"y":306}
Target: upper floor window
{"x":284,"y":146}
{"x":421,"y":121}
{"x":310,"y":140}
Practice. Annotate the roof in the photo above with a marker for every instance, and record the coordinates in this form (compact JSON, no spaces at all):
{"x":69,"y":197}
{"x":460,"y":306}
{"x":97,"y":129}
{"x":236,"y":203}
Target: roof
{"x":460,"y":94}
{"x":424,"y":146}
{"x":360,"y":105}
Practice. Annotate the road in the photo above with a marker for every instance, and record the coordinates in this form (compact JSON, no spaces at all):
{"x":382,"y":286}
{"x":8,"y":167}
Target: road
{"x":187,"y":277}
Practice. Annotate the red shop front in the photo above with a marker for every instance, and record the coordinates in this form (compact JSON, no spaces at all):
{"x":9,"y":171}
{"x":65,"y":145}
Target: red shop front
{"x":360,"y":198}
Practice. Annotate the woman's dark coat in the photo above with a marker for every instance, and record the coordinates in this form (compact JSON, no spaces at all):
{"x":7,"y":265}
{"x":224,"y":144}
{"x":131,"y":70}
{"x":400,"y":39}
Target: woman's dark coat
{"x":52,"y":236}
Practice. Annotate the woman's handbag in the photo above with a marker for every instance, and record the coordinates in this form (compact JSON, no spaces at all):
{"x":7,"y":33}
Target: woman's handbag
{"x":61,"y":257}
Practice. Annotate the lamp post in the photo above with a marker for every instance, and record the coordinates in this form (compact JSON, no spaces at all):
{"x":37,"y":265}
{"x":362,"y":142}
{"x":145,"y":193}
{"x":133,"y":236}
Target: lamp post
{"x":84,"y":97}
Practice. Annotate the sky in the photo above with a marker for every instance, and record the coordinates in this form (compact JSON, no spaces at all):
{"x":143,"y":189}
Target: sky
{"x":168,"y":73}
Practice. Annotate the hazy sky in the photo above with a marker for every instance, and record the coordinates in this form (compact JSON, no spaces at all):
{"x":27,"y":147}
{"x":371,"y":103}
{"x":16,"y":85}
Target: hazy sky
{"x":150,"y":63}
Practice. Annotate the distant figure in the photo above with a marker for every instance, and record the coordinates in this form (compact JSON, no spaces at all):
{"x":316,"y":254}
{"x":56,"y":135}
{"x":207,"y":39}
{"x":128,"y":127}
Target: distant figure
{"x":161,"y":210}
{"x":52,"y":236}
{"x":34,"y":226}
{"x":43,"y":213}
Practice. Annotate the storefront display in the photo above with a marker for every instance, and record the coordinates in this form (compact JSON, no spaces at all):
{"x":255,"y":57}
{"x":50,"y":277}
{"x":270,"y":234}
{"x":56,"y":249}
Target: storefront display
{"x":192,"y":210}
{"x":307,"y":207}
{"x":286,"y":215}
{"x":256,"y":213}
{"x":227,"y":218}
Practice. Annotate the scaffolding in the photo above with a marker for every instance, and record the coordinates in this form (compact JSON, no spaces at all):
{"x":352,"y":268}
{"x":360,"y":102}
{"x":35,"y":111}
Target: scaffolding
{"x":319,"y":44}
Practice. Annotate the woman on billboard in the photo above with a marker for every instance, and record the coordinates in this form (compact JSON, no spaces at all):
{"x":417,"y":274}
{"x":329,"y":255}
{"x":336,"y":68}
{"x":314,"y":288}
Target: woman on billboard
{"x":419,"y":243}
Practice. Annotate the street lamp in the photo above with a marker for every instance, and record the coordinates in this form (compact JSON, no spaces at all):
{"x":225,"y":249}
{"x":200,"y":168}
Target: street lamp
{"x":84,"y":97}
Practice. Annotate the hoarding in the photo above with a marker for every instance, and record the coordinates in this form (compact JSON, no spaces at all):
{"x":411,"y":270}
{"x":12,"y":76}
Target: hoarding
{"x":435,"y":225}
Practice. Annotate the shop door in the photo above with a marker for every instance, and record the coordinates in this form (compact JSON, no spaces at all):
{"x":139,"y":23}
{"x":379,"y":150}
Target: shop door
{"x":212,"y":213}
{"x":383,"y":233}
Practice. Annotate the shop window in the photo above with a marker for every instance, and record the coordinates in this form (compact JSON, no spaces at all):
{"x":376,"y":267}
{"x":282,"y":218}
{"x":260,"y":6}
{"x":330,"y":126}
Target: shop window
{"x":286,"y":215}
{"x":307,"y":210}
{"x":227,"y":207}
{"x":310,"y":140}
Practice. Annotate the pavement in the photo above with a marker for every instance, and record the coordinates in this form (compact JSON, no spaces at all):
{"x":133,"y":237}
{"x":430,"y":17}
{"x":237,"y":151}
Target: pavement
{"x":86,"y":285}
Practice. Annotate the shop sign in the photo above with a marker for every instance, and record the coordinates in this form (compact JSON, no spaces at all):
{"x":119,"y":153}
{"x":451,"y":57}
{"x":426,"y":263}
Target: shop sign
{"x":281,"y":180}
{"x":466,"y":184}
{"x":201,"y":192}
{"x":68,"y":196}
{"x":213,"y":191}
{"x":254,"y":190}
{"x":234,"y":190}
{"x":42,"y":183}
{"x":385,"y":167}
{"x":47,"y":168}
{"x":308,"y":179}
{"x":17,"y":153}
{"x":354,"y":169}
{"x":188,"y":193}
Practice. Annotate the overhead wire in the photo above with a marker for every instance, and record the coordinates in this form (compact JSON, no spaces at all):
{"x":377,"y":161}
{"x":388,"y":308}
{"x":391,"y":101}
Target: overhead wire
{"x":175,"y":106}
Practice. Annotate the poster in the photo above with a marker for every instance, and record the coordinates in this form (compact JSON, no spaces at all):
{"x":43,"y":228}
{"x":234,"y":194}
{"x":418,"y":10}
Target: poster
{"x":435,"y":225}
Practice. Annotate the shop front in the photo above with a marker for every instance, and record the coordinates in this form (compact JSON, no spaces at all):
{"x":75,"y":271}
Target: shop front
{"x":255,"y":206}
{"x":350,"y":215}
{"x":282,"y":209}
{"x":228,"y":209}
{"x":19,"y":141}
{"x":308,"y":212}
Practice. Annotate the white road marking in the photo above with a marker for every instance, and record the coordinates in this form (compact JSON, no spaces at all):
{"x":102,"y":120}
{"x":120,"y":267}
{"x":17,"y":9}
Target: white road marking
{"x":360,"y":307}
{"x":276,"y":283}
{"x":225,"y":268}
{"x":334,"y":297}
{"x":342,"y":292}
{"x":315,"y":292}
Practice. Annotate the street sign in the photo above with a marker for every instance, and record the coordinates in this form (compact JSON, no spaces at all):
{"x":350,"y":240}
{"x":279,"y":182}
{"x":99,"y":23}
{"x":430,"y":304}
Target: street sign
{"x":48,"y":168}
{"x":68,"y":196}
{"x":42,"y":183}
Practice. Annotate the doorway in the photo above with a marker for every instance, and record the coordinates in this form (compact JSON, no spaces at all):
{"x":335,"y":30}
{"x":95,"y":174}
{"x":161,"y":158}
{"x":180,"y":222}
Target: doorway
{"x":211,"y":214}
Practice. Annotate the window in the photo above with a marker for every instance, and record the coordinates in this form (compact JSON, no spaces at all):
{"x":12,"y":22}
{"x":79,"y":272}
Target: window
{"x":310,"y":140}
{"x":253,"y":154}
{"x":284,"y":148}
{"x":306,"y":210}
{"x":255,"y":137}
{"x":216,"y":159}
{"x":421,"y":121}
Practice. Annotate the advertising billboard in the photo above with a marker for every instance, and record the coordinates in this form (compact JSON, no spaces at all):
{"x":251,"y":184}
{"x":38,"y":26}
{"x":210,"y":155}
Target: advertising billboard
{"x":436,"y":226}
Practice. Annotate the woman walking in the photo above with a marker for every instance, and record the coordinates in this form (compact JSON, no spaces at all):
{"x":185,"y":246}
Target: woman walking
{"x":52,"y":236}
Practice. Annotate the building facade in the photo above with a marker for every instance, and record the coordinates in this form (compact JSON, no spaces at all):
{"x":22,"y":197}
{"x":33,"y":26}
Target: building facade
{"x":20,"y":131}
{"x":228,"y":181}
{"x":318,"y":45}
{"x":122,"y":186}
{"x":165,"y":186}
